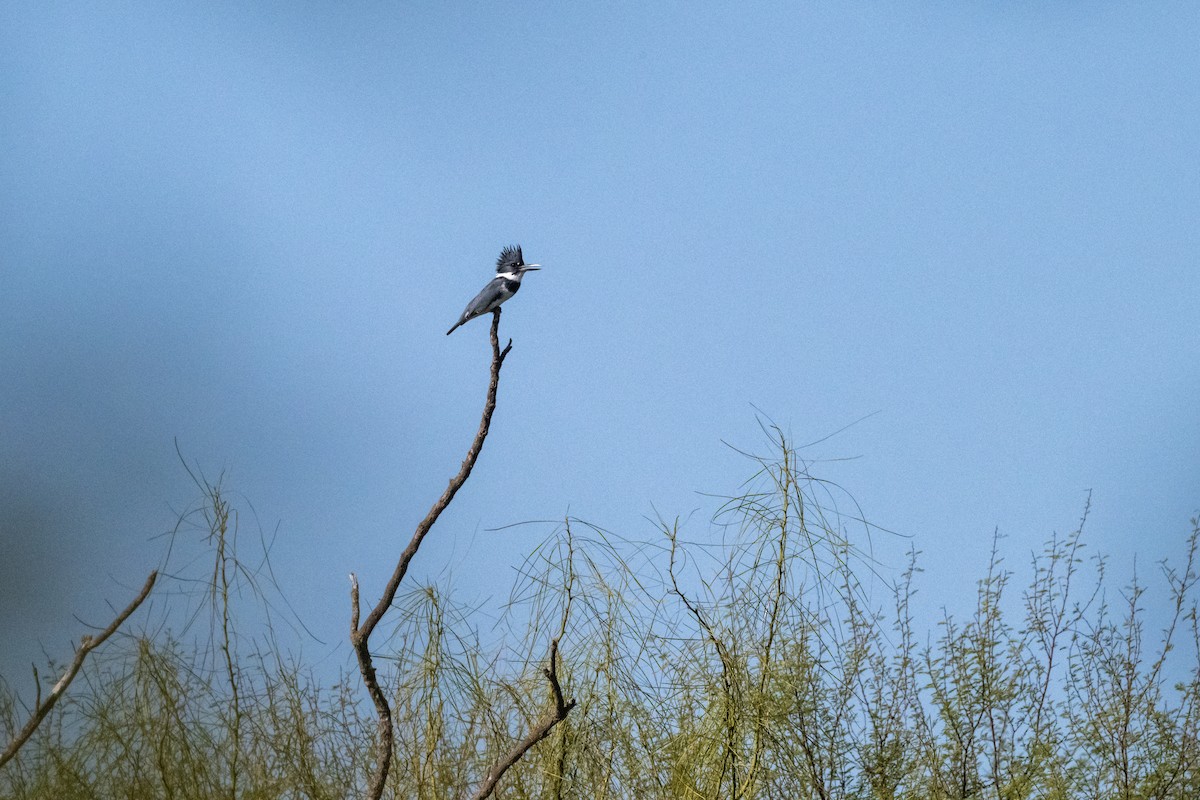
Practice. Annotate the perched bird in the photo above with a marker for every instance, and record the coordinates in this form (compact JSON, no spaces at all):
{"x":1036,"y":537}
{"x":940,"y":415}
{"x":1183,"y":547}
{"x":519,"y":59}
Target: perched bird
{"x":510,"y":267}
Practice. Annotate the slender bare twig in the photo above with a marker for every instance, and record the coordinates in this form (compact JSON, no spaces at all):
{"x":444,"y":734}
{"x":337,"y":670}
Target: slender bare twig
{"x":86,"y":645}
{"x":731,"y":755}
{"x":538,"y":732}
{"x":360,"y":634}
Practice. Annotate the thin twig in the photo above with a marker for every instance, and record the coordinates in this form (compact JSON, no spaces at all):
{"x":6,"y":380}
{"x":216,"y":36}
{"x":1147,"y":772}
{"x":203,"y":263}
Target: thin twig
{"x":538,"y":732}
{"x":86,"y":645}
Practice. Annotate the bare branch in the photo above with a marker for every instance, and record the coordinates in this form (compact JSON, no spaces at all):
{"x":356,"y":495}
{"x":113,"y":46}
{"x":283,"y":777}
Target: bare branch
{"x":539,"y":731}
{"x":360,"y":635}
{"x":86,"y":645}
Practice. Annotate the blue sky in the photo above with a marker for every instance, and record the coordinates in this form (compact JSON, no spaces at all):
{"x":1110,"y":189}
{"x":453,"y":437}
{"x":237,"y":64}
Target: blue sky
{"x":248,"y":230}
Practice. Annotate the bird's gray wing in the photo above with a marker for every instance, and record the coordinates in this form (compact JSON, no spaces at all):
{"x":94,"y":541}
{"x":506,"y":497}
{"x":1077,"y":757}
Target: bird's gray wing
{"x":484,"y":302}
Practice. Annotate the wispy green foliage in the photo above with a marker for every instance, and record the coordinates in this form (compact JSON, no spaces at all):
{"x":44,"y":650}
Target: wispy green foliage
{"x":749,"y":664}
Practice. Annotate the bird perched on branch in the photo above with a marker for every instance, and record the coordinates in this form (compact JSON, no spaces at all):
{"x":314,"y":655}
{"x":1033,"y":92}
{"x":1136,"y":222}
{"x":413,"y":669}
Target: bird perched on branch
{"x":510,"y":268}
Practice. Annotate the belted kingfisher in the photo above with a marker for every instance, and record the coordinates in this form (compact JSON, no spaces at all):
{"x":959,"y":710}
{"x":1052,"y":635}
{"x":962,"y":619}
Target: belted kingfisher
{"x":510,"y":267}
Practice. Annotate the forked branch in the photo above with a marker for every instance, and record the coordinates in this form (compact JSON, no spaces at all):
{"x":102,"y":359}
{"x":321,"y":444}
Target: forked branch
{"x":360,"y":634}
{"x":538,"y":732}
{"x":86,"y":645}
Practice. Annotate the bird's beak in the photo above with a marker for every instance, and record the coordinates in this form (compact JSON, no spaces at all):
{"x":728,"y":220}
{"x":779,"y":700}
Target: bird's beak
{"x":528,"y":267}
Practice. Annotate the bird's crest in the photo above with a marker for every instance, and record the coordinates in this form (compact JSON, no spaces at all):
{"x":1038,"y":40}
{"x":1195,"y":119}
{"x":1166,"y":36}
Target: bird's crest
{"x":510,"y":258}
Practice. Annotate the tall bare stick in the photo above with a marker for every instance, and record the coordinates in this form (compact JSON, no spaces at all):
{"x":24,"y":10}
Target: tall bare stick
{"x":360,"y":634}
{"x":86,"y":645}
